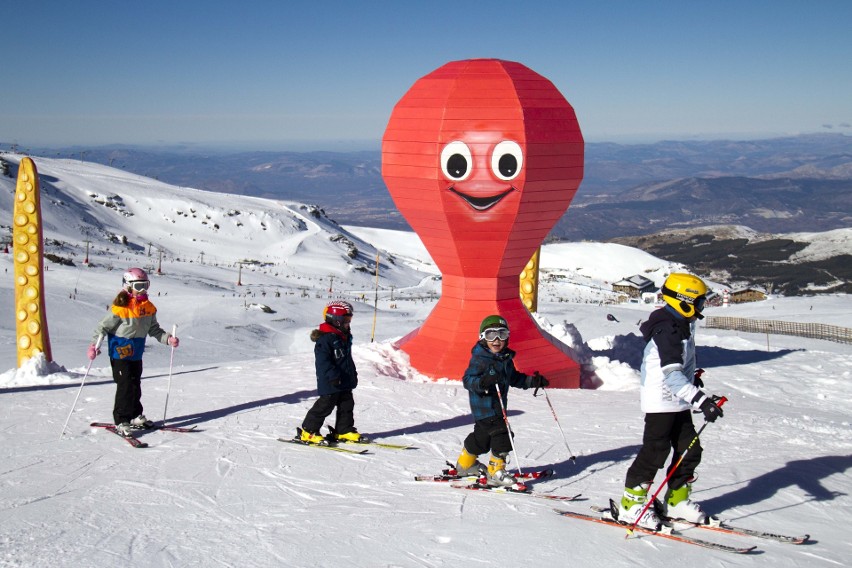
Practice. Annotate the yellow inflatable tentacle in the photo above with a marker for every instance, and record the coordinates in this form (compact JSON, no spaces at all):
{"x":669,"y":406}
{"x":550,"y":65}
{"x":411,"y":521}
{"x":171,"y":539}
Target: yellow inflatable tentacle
{"x":529,"y":282}
{"x":30,"y":314}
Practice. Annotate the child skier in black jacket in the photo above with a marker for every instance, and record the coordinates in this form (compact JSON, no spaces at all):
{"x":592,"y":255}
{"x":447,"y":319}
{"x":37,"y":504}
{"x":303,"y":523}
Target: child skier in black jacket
{"x":336,"y":378}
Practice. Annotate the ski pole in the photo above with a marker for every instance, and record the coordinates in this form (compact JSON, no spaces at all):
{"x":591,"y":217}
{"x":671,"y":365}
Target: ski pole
{"x":650,"y":501}
{"x":509,"y":428}
{"x":552,"y":411}
{"x":83,"y":382}
{"x":169,"y":387}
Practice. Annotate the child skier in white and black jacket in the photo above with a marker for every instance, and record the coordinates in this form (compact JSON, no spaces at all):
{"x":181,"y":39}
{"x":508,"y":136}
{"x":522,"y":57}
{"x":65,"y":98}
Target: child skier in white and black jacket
{"x":669,"y":393}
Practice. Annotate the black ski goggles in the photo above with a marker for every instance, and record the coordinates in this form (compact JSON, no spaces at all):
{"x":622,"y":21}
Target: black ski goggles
{"x":493,"y":334}
{"x":697,"y":302}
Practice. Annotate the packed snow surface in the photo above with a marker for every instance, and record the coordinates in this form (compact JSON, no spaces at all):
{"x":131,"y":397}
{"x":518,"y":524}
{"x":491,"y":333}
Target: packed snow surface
{"x":230,"y":494}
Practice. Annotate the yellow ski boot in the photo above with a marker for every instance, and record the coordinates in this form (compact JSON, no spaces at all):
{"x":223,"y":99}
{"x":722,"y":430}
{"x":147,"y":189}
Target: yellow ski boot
{"x":497,"y":474}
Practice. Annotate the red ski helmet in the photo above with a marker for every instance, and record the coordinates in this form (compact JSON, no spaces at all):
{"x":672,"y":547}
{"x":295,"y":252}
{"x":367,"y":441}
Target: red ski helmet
{"x":335,"y":311}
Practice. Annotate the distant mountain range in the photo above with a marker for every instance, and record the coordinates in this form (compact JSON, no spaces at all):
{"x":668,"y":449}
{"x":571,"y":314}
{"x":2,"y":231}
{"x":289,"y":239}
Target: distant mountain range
{"x":800,"y":183}
{"x":738,"y":230}
{"x":776,"y":205}
{"x":791,"y":264}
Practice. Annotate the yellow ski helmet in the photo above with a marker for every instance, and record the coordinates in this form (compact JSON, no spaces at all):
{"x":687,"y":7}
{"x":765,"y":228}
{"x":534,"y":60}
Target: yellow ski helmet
{"x":685,"y":293}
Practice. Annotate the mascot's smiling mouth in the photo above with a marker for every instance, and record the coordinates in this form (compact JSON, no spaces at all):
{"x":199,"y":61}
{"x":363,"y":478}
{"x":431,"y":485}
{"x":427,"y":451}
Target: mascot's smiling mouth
{"x":482,"y":203}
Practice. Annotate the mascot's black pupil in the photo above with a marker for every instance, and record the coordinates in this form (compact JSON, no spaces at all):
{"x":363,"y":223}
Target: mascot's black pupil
{"x":508,"y":165}
{"x":457,"y":165}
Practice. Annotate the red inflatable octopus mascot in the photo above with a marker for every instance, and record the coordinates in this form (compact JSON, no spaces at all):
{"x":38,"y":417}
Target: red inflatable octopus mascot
{"x":482,"y":157}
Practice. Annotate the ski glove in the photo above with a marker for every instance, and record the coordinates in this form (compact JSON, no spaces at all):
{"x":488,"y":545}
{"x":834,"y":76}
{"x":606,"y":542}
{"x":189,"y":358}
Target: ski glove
{"x":92,"y":352}
{"x":537,"y":380}
{"x":697,"y":381}
{"x":710,"y":409}
{"x":173,"y":341}
{"x":487,"y":382}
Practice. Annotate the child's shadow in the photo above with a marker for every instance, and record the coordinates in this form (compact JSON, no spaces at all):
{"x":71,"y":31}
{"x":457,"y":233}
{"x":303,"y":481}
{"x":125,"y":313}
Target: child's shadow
{"x":585,"y":466}
{"x":805,"y":474}
{"x":190,"y":419}
{"x":433,"y":426}
{"x":462,"y":420}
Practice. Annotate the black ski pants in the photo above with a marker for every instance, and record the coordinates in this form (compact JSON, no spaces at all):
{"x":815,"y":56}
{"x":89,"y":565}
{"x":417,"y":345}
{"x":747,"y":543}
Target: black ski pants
{"x":489,"y":434}
{"x":128,"y":389}
{"x":323,"y":407}
{"x":664,"y":432}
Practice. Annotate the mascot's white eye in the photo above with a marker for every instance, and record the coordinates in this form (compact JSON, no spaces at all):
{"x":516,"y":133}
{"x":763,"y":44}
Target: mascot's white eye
{"x":456,"y":160}
{"x":507,"y":160}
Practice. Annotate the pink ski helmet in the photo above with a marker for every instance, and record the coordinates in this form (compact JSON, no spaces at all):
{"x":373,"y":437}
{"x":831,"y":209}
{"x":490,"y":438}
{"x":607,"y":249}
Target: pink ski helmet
{"x":135,"y":281}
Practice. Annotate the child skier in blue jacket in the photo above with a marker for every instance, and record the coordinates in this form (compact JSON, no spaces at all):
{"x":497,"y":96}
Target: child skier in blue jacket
{"x":491,"y":368}
{"x":336,"y":378}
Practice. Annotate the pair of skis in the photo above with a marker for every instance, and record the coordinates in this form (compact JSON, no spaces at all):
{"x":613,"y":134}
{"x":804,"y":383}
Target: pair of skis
{"x":451,"y":474}
{"x":519,"y":488}
{"x":666,"y":532}
{"x":335,"y":445}
{"x":136,"y":442}
{"x":326,"y":446}
{"x":713,"y":524}
{"x":607,"y":516}
{"x":479,"y":483}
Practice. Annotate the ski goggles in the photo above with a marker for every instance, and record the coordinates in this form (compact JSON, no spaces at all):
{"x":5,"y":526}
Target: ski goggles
{"x":697,"y":302}
{"x":493,"y":334}
{"x":140,"y":285}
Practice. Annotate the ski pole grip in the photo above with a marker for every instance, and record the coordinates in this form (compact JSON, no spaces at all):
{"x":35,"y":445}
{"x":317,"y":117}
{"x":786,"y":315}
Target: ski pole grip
{"x":721,"y":401}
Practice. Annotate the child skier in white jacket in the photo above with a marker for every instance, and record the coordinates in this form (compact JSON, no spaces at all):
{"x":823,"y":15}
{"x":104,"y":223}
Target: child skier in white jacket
{"x":668,"y":394}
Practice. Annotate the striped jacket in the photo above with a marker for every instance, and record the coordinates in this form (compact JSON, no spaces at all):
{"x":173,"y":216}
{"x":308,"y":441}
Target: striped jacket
{"x":126,"y":328}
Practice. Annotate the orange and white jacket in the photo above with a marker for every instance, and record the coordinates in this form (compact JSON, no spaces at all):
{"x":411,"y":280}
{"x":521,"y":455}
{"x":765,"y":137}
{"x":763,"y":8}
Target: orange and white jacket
{"x":126,"y":328}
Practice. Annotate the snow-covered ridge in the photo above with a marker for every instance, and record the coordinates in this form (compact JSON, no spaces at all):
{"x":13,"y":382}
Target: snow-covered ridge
{"x":823,"y":245}
{"x":108,"y":207}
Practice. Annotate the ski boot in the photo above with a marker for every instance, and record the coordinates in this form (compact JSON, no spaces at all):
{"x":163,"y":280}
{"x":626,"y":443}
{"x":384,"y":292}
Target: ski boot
{"x":468,"y":465}
{"x":124,"y":429}
{"x":497,"y":474}
{"x":140,"y":423}
{"x":677,"y":505}
{"x":632,"y":502}
{"x":310,"y":437}
{"x":352,"y":436}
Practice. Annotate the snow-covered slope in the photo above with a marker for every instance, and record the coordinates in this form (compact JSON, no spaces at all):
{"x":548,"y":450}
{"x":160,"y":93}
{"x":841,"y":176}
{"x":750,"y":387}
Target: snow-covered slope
{"x":231,"y":495}
{"x":134,"y":214}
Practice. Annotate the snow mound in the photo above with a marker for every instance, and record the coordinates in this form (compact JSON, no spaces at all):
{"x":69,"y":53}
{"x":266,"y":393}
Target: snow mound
{"x":37,"y":370}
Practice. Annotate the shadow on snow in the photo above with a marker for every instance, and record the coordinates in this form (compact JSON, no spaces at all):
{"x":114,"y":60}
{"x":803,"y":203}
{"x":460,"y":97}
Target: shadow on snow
{"x":806,"y":475}
{"x":102,"y":381}
{"x":200,"y":417}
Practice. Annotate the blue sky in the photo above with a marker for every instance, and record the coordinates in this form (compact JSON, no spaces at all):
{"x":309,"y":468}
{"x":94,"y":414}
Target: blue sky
{"x":326,"y":74}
